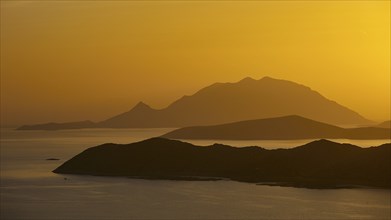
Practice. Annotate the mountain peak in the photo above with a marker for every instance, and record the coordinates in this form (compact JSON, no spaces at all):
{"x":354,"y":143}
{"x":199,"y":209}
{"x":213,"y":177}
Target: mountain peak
{"x":247,"y":79}
{"x":247,"y":99}
{"x":322,"y":141}
{"x":326,"y":145}
{"x":268,"y":78}
{"x":141,"y":105}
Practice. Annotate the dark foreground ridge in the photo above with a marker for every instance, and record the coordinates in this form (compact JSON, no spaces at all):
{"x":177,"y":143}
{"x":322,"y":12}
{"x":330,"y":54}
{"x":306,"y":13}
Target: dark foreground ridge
{"x":280,"y":128}
{"x":318,"y":164}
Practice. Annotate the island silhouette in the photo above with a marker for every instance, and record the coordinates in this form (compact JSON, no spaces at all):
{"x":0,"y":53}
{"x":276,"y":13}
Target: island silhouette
{"x":318,"y":164}
{"x":229,"y":102}
{"x":280,"y":128}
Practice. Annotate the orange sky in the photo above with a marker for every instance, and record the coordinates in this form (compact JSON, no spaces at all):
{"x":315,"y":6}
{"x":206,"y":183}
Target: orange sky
{"x":68,"y":61}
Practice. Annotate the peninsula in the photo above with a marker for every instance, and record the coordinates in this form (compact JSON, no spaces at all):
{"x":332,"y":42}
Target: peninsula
{"x":318,"y":164}
{"x":281,"y":128}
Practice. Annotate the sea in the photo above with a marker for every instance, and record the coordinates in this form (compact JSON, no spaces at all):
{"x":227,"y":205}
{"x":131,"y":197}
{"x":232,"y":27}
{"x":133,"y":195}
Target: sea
{"x":29,"y":189}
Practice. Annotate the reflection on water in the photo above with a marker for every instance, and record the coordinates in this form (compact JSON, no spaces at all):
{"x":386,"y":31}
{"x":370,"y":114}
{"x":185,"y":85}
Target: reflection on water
{"x":30,"y":191}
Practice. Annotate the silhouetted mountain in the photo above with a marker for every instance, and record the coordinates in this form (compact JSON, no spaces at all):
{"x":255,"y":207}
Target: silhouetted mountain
{"x":386,"y":124}
{"x":319,"y":164}
{"x":281,"y":128}
{"x":139,"y":116}
{"x":59,"y":126}
{"x":245,"y":100}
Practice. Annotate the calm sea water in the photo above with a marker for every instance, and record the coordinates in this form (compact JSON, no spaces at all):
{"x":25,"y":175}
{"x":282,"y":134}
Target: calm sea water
{"x":29,"y":190}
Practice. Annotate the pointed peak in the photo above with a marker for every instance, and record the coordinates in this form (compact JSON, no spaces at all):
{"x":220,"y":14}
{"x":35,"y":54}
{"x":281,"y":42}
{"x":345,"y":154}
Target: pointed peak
{"x":141,"y":105}
{"x":247,"y":79}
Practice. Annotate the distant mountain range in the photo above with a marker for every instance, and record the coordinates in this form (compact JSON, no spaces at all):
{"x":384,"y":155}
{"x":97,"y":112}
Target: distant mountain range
{"x":228,"y":102}
{"x":318,"y":164}
{"x":281,"y":128}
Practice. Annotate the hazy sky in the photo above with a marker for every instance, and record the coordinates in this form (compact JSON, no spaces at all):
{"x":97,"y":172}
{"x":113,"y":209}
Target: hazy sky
{"x":68,"y":61}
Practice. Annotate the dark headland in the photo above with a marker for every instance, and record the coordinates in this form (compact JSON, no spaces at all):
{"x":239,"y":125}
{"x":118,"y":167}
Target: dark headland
{"x":318,"y":164}
{"x":228,"y":102}
{"x":280,"y":128}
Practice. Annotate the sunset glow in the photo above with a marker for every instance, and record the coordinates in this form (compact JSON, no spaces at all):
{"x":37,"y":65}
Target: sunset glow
{"x":69,"y":61}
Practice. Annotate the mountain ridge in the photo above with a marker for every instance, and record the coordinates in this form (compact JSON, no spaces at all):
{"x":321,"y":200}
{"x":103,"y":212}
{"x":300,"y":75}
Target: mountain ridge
{"x":243,"y":100}
{"x":318,"y":164}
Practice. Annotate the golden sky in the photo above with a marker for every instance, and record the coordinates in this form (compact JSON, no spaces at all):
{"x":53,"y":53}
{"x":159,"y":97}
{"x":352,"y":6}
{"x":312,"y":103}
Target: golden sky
{"x":68,"y":61}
